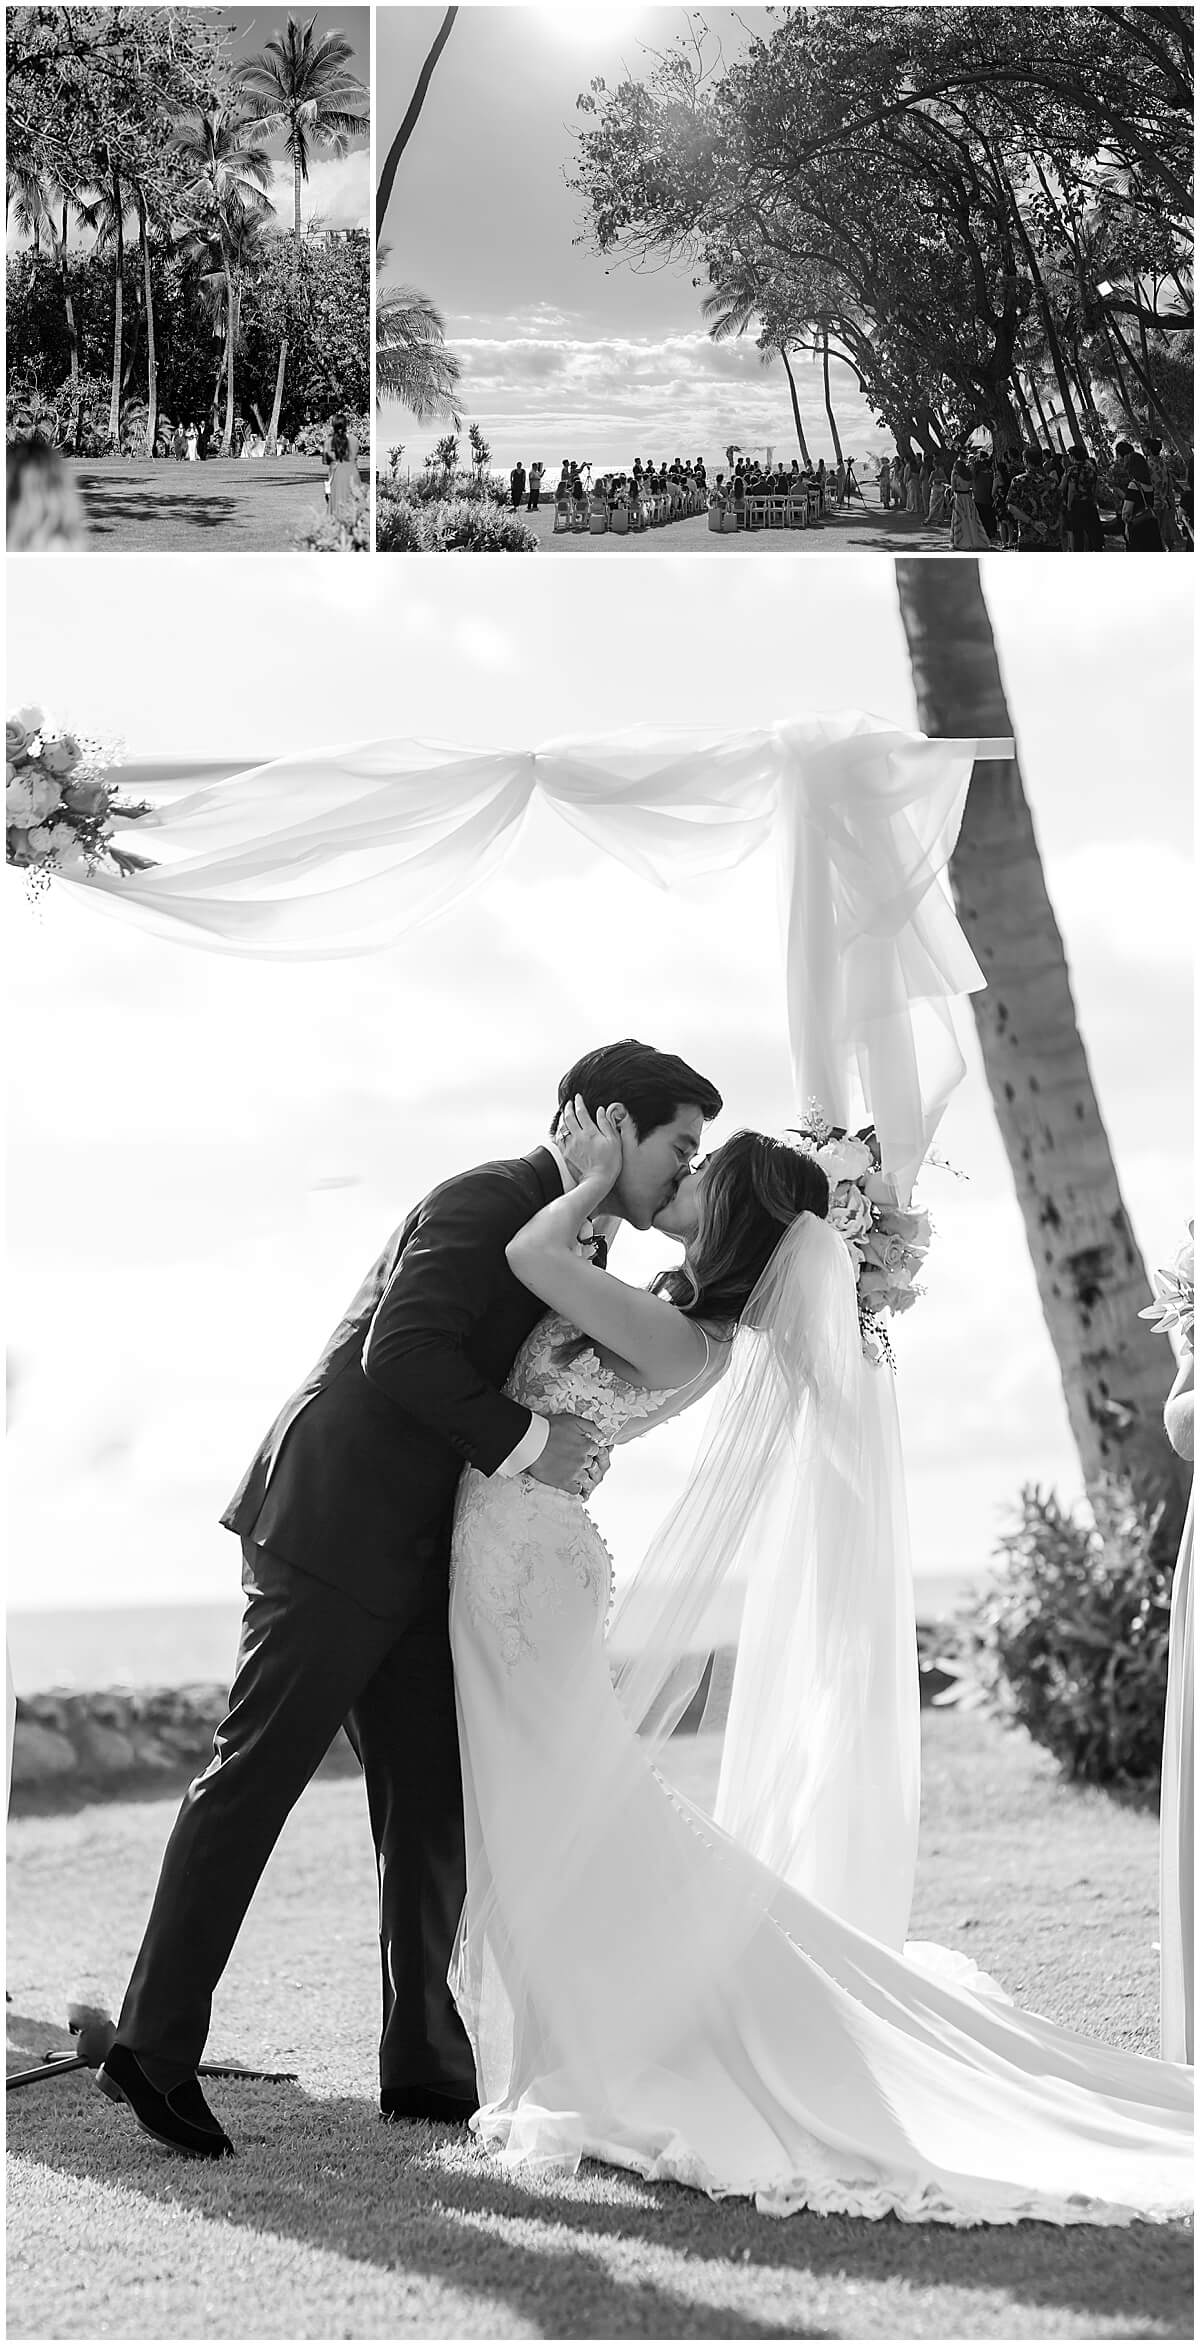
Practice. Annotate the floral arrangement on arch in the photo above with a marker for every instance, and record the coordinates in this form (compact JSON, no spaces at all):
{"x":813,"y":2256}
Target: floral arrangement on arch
{"x":1174,"y":1305}
{"x":58,"y":806}
{"x":887,"y":1242}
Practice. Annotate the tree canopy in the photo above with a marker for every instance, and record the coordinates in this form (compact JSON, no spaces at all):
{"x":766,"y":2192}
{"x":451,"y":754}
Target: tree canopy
{"x":942,"y":190}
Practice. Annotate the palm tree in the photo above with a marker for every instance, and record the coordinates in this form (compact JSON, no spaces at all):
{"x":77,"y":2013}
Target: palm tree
{"x":1090,"y":1275}
{"x":730,"y":309}
{"x":41,"y":205}
{"x":228,"y":172}
{"x":305,"y":85}
{"x":383,"y":194}
{"x":106,"y":214}
{"x":222,"y":260}
{"x":412,"y":363}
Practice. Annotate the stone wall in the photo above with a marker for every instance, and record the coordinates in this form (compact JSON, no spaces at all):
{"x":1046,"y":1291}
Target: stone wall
{"x":73,"y":1747}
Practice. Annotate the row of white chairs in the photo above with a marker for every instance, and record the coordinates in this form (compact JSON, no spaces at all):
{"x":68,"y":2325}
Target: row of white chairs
{"x":797,"y":509}
{"x":653,"y":510}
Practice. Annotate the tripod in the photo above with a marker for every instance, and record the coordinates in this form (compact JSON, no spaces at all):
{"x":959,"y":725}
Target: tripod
{"x":95,"y":2030}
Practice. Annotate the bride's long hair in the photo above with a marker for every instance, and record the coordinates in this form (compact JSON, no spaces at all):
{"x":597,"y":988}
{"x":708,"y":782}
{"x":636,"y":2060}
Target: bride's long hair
{"x":752,"y":1191}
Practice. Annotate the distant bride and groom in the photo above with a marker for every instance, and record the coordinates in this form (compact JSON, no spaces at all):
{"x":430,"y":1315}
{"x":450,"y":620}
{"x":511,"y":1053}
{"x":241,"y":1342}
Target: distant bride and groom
{"x":576,"y":1960}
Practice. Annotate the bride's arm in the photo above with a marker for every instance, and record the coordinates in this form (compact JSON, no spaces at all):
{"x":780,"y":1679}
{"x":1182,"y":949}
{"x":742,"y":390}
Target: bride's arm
{"x":665,"y":1348}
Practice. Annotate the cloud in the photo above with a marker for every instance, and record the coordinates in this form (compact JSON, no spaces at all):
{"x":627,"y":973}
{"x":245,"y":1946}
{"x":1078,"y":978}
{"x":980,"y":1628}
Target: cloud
{"x":624,"y":392}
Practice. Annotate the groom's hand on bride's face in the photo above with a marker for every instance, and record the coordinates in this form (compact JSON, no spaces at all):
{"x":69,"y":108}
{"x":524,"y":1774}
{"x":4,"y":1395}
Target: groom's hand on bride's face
{"x":574,"y":1457}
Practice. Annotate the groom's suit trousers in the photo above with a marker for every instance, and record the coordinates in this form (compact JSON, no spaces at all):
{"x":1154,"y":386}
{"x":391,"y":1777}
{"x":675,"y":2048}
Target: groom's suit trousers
{"x":309,"y":1659}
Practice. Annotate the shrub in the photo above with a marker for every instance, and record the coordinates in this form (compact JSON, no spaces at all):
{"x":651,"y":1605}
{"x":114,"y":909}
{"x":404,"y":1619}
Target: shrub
{"x":314,"y":432}
{"x":322,"y":535}
{"x":448,"y":525}
{"x":397,"y":525}
{"x":1071,"y":1640}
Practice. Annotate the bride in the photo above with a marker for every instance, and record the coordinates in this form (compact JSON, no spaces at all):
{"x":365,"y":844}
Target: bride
{"x":732,"y":2009}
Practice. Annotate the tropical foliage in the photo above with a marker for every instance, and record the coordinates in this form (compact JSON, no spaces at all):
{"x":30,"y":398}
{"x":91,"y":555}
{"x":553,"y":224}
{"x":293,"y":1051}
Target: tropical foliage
{"x":138,"y":173}
{"x":984,"y":213}
{"x":1071,"y":1640}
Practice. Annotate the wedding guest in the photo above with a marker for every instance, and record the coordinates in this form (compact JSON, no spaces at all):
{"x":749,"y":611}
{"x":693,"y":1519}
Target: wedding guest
{"x":1161,"y":467}
{"x":1140,"y":521}
{"x":1177,"y":1820}
{"x":516,"y":484}
{"x":1173,"y":1312}
{"x":1081,"y":502}
{"x":535,"y":485}
{"x":44,"y":511}
{"x":344,"y":487}
{"x":939,"y":491}
{"x":885,"y":483}
{"x":984,"y":505}
{"x":967,"y":533}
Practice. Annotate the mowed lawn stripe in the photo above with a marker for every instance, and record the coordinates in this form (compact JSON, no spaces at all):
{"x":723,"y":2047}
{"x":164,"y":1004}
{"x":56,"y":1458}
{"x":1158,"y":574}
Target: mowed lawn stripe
{"x":331,"y":2224}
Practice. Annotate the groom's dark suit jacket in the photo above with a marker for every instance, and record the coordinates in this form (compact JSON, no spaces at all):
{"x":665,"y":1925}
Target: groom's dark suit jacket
{"x":355,"y":1481}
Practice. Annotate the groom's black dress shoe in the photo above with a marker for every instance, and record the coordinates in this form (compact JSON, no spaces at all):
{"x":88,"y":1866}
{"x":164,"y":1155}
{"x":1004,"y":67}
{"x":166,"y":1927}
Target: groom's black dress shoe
{"x":180,"y":2119}
{"x":421,"y":2101}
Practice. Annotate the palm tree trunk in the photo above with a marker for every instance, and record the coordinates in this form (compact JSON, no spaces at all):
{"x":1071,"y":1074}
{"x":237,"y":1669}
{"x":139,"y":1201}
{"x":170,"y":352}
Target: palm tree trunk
{"x":230,"y":339}
{"x":387,"y":176}
{"x":837,"y":445}
{"x":114,"y":405}
{"x":1090,"y":1275}
{"x":281,"y":369}
{"x":799,"y":421}
{"x":151,"y":354}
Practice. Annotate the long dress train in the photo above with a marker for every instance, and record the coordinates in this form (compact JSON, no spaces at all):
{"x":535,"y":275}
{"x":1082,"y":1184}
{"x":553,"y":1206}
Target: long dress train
{"x":639,"y":1989}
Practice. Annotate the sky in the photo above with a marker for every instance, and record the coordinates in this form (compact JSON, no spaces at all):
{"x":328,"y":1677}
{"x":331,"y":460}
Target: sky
{"x":564,"y":353}
{"x":338,"y":191}
{"x":205,"y":1153}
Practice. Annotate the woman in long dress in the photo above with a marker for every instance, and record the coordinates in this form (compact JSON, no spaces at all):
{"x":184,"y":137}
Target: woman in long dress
{"x":345,"y":487}
{"x":1177,"y":1820}
{"x":967,"y":533}
{"x":638,"y":1986}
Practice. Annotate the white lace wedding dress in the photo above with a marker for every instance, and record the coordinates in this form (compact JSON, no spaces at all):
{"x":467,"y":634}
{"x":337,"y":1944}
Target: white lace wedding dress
{"x":639,"y":1989}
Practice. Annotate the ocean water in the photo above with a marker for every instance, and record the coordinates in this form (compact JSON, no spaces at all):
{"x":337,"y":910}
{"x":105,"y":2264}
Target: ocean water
{"x":172,"y":1645}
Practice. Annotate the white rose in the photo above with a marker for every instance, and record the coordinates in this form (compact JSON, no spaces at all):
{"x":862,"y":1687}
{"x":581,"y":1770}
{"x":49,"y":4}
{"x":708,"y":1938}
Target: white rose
{"x":18,"y":803}
{"x":849,"y":1211}
{"x":844,"y":1160}
{"x":70,"y":858}
{"x":45,"y":793}
{"x":61,"y":754}
{"x":43,"y":839}
{"x":15,"y":737}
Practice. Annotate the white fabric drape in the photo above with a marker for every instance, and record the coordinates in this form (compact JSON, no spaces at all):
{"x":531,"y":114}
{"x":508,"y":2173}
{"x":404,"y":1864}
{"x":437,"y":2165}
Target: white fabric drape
{"x":343,"y":851}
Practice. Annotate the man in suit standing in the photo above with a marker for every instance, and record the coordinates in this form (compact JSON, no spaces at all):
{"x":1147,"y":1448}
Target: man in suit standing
{"x":345,"y":1517}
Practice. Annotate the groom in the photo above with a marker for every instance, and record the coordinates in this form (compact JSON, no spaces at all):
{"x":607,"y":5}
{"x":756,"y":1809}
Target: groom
{"x":345,"y":1517}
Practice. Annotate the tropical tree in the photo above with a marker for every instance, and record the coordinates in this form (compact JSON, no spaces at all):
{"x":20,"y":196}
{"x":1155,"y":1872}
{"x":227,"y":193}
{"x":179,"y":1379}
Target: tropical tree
{"x":228,"y":172}
{"x":306,"y":86}
{"x":106,"y":214}
{"x":42,"y":207}
{"x":412,"y":363}
{"x":1090,"y":1275}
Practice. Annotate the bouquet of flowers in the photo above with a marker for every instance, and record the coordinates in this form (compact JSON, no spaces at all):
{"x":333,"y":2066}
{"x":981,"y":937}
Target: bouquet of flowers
{"x":1174,"y":1304}
{"x":58,"y":807}
{"x":887,"y":1242}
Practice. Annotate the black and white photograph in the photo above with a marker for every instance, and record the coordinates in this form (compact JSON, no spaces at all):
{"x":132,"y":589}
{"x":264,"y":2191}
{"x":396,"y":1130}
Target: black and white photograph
{"x":778,"y":1051}
{"x":785,"y":279}
{"x":600,"y":1264}
{"x":188,"y":271}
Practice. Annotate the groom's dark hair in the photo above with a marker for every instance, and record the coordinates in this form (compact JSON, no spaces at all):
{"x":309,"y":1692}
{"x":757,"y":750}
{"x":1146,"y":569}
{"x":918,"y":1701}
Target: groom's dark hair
{"x":653,"y":1085}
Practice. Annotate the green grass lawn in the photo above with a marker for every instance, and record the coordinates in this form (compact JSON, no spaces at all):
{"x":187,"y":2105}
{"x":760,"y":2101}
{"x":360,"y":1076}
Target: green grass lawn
{"x":224,"y":506}
{"x":331,"y":2225}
